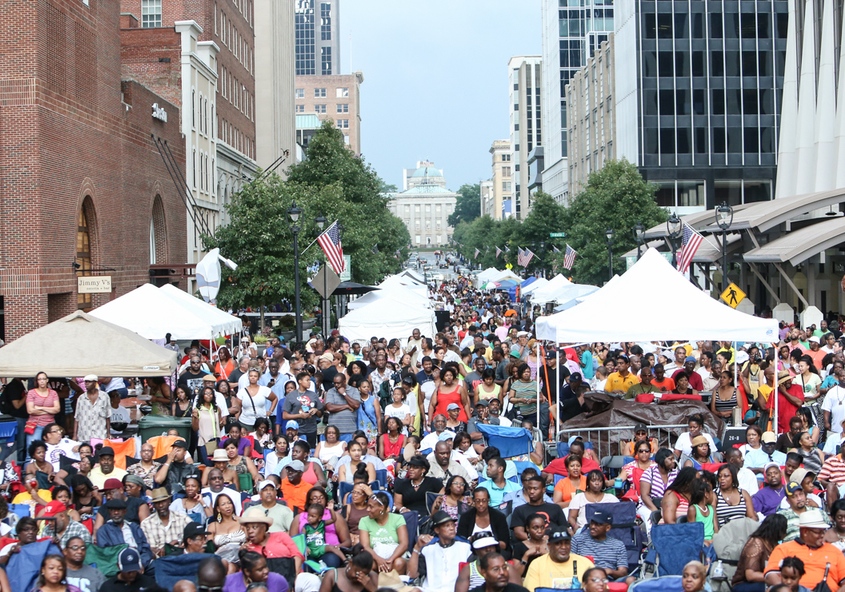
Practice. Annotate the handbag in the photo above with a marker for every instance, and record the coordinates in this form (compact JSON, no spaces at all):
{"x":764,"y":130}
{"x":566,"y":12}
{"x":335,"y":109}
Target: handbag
{"x":210,"y":447}
{"x":29,"y":428}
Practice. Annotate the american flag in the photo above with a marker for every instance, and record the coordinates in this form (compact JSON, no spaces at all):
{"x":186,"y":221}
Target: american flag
{"x":524,"y":257}
{"x":689,"y":245}
{"x":330,"y":243}
{"x":477,"y":253}
{"x":498,"y":252}
{"x":555,"y":249}
{"x":507,"y":249}
{"x":569,"y":257}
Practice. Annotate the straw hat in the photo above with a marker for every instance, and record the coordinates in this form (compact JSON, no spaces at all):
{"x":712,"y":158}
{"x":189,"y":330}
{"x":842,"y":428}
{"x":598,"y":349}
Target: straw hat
{"x":255,"y":515}
{"x":784,"y":376}
{"x":219,"y":456}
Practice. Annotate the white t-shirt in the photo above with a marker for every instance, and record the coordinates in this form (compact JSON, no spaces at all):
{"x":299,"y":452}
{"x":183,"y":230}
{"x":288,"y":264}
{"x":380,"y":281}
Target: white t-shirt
{"x":834,"y":402}
{"x":63,"y":448}
{"x":253,"y":407}
{"x":220,"y":400}
{"x":399,"y":413}
{"x":683,"y":444}
{"x":119,"y":415}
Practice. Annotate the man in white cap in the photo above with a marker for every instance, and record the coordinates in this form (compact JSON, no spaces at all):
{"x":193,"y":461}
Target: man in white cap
{"x":767,"y":499}
{"x":470,"y":576}
{"x":282,"y":515}
{"x":813,"y":551}
{"x":92,"y":419}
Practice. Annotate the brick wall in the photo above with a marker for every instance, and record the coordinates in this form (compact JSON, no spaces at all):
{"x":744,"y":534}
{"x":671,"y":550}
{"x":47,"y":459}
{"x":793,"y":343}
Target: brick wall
{"x":67,"y":136}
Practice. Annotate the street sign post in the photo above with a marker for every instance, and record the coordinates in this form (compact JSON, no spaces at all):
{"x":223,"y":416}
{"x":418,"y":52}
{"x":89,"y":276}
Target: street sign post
{"x":733,"y":295}
{"x":325,"y":282}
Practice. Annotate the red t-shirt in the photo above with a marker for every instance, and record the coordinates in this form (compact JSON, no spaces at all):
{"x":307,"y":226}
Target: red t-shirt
{"x":694,"y":379}
{"x":558,"y":466}
{"x":786,"y":410}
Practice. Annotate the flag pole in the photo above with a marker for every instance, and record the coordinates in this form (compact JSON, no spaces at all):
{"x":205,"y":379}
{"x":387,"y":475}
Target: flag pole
{"x":302,"y":252}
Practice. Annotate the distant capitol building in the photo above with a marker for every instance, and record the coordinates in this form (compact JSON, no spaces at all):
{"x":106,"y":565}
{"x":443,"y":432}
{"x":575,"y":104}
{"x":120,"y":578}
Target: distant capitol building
{"x":424,"y":205}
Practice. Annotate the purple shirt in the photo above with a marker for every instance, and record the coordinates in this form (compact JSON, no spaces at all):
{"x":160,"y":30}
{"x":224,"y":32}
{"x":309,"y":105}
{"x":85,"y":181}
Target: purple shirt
{"x":275,"y":583}
{"x":767,"y":500}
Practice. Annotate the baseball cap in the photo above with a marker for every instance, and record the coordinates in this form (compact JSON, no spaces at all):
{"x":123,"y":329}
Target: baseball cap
{"x":53,"y":508}
{"x":699,"y":440}
{"x":112,"y":484}
{"x":90,"y":378}
{"x":815,"y":339}
{"x":296,"y":465}
{"x":640,"y":427}
{"x":105,"y":451}
{"x":515,"y":352}
{"x":451,"y":406}
{"x":768,"y":466}
{"x":792,"y":487}
{"x":180,"y":444}
{"x":481,"y":403}
{"x":768,"y":438}
{"x":292,"y":424}
{"x":689,"y":359}
{"x":559,"y":536}
{"x":522,"y":333}
{"x":551,"y":355}
{"x":798,"y":475}
{"x":129,"y":560}
{"x":600,"y":517}
{"x":485,"y":542}
{"x":265,"y":483}
{"x":193,"y":529}
{"x":574,"y":438}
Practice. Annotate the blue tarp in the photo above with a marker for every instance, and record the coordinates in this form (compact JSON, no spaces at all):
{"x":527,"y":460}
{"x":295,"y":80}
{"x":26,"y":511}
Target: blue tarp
{"x":25,"y":565}
{"x":529,"y":281}
{"x":172,"y":568}
{"x":509,"y":441}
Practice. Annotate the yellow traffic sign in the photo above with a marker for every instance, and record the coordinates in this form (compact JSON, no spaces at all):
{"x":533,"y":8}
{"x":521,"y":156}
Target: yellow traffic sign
{"x":733,"y":295}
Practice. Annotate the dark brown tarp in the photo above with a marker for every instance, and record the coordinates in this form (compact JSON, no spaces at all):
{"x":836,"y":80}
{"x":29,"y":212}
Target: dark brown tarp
{"x":605,"y":411}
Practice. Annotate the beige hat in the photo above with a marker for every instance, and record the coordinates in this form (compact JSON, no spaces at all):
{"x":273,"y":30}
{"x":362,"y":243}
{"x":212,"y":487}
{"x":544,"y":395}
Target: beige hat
{"x":699,"y":440}
{"x":219,"y":456}
{"x":255,"y":515}
{"x":784,"y":376}
{"x":159,"y":494}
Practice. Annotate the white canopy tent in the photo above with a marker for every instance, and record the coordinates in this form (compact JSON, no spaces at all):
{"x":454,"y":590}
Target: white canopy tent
{"x":534,"y":286}
{"x":682,"y":312}
{"x":224,"y":323}
{"x":80,"y":344}
{"x":551,"y":291}
{"x":405,"y":282}
{"x":152,"y":313}
{"x":399,"y":293}
{"x":486,"y":276}
{"x":387,"y":318}
{"x":506,"y":274}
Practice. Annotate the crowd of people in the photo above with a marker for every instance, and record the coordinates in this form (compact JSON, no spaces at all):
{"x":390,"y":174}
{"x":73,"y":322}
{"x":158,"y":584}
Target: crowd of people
{"x":331,"y":465}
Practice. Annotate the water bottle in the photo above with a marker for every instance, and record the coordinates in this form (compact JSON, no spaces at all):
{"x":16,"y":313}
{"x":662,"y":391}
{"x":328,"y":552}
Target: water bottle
{"x":718,"y":569}
{"x":576,"y":583}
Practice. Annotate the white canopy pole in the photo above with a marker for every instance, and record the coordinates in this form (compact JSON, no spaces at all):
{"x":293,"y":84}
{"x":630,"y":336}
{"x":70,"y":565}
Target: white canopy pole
{"x":736,"y":363}
{"x":557,"y":392}
{"x":540,"y":362}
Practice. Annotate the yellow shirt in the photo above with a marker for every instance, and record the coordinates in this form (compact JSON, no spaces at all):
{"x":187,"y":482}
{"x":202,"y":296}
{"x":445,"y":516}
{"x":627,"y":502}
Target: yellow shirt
{"x":617,"y":384}
{"x":545,"y":573}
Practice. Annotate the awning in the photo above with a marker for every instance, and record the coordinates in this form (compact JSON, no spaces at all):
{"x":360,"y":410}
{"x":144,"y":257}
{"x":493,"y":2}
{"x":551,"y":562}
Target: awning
{"x":765,"y":215}
{"x":799,"y":245}
{"x":699,"y":221}
{"x":710,"y":250}
{"x":346,"y":288}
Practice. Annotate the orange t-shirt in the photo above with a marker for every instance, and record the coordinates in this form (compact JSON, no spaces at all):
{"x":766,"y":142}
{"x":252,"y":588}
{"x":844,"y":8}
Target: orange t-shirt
{"x":295,"y":495}
{"x":663,"y":386}
{"x":567,"y":490}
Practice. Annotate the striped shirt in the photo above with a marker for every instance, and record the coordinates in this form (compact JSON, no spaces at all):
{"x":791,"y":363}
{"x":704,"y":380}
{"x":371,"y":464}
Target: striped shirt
{"x":609,"y":553}
{"x":725,"y":512}
{"x":653,"y":478}
{"x":833,"y":470}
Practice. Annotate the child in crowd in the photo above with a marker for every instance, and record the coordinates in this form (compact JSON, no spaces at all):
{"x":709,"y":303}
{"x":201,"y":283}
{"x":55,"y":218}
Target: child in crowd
{"x":702,"y":509}
{"x":791,"y":572}
{"x":315,"y":536}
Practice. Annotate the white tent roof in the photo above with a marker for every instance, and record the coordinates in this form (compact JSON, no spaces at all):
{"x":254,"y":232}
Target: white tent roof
{"x":224,"y":323}
{"x":393,"y":293}
{"x":533,"y":286}
{"x":387,"y":318}
{"x":406,"y":283}
{"x":551,"y":291}
{"x":410,"y":273}
{"x":677,"y":310}
{"x":152,"y":313}
{"x":80,"y":344}
{"x":506,"y":274}
{"x":487,"y":275}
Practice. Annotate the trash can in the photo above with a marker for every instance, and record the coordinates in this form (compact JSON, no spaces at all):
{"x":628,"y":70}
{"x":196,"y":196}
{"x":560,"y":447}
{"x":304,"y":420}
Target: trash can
{"x":155,"y":425}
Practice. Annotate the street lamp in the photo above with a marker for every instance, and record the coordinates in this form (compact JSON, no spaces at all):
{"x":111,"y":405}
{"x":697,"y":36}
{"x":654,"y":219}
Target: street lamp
{"x":673,"y":227}
{"x":639,"y":236}
{"x":294,"y":212}
{"x":609,"y":234}
{"x":724,"y":219}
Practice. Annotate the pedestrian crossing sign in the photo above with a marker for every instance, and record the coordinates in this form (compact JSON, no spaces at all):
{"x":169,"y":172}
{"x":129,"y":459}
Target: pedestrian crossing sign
{"x":733,"y":295}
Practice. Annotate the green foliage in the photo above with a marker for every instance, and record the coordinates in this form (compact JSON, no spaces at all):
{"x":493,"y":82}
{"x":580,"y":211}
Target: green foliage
{"x":467,"y":206}
{"x":331,"y":182}
{"x":615,"y":197}
{"x":388,"y":188}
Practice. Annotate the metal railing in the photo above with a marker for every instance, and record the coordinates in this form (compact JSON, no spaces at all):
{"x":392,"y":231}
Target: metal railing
{"x":606,"y":440}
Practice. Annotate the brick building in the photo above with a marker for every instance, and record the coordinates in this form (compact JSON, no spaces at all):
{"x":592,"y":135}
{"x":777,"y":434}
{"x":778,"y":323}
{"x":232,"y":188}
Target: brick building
{"x":84,"y":189}
{"x":200,"y":54}
{"x":334,"y":97}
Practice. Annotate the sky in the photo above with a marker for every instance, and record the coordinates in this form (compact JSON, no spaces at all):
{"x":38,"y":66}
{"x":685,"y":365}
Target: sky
{"x":435,"y":79}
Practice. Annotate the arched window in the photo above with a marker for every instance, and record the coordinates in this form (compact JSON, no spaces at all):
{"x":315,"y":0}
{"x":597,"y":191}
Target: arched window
{"x":83,"y":255}
{"x":158,"y":233}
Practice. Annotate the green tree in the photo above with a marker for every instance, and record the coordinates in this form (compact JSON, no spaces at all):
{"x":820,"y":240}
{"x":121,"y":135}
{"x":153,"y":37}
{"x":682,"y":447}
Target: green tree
{"x":388,"y":188}
{"x":615,"y":197}
{"x":546,"y":216}
{"x":467,"y":206}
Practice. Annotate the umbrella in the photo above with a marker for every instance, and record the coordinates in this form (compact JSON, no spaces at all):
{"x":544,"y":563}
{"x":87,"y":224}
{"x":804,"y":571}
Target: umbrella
{"x":346,"y":288}
{"x":490,"y":286}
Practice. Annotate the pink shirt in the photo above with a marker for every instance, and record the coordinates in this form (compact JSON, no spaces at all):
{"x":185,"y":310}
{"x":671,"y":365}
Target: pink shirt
{"x":46,"y":401}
